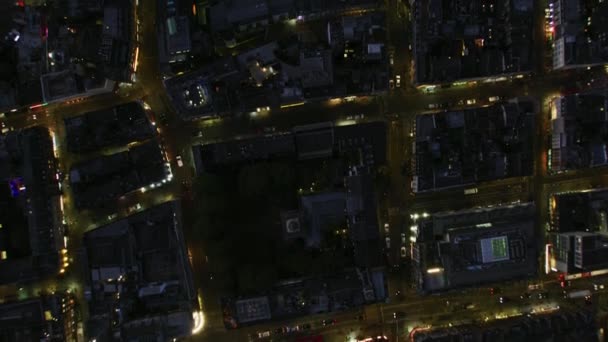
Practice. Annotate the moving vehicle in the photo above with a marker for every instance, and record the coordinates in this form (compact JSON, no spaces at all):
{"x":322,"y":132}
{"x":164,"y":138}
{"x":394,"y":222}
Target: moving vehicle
{"x":578,"y":294}
{"x":398,"y":81}
{"x":493,"y":98}
{"x":398,"y":314}
{"x":179,"y":161}
{"x":470,"y":191}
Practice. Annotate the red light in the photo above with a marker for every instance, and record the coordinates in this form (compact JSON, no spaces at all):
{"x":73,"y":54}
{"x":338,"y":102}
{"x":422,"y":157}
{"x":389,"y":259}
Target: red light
{"x":20,"y":3}
{"x":36,"y":106}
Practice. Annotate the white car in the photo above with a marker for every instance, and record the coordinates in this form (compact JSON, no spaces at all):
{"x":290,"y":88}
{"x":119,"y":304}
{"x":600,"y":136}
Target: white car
{"x":263,"y":334}
{"x":398,"y":81}
{"x":179,"y":161}
{"x":493,"y":98}
{"x":386,"y":228}
{"x":388,"y":242}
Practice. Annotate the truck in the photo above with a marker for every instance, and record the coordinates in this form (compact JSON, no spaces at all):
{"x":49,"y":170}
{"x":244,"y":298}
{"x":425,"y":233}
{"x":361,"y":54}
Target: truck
{"x":578,"y":294}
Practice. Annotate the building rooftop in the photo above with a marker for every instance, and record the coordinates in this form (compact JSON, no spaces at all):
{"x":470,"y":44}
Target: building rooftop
{"x":455,"y":40}
{"x":578,"y":125}
{"x":582,"y":211}
{"x":116,"y":46}
{"x":31,"y":228}
{"x":362,"y":220}
{"x":578,"y":30}
{"x":474,"y":145}
{"x":469,"y":247}
{"x":99,"y":181}
{"x":203,"y":93}
{"x":114,"y":126}
{"x":40,"y":319}
{"x":143,"y":259}
{"x":320,"y":140}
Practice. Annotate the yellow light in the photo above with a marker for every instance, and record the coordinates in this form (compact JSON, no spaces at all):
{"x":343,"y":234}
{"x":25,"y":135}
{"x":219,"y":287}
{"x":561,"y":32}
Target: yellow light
{"x":136,"y":59}
{"x":3,"y":255}
{"x":193,"y":9}
{"x":62,"y":271}
{"x":547,"y":258}
{"x":199,"y":322}
{"x":293,"y":105}
{"x":434,"y":270}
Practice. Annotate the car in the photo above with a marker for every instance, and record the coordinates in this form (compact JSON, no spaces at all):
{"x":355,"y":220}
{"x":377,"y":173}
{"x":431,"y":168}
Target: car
{"x":398,"y":314}
{"x":471,"y":102}
{"x":270,"y":129}
{"x":355,"y":117}
{"x":433,"y":106}
{"x":468,"y":306}
{"x":493,"y":98}
{"x":525,"y":295}
{"x":403,"y":239}
{"x":403,"y":252}
{"x":388,"y":242}
{"x":543,"y":295}
{"x":327,"y":322}
{"x":179,"y":161}
{"x":503,"y":300}
{"x":391,"y":84}
{"x":263,"y":334}
{"x":135,"y":208}
{"x":386,"y":228}
{"x":597,"y":286}
{"x":398,"y":81}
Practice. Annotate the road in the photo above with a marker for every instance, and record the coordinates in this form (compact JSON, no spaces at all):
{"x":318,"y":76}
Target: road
{"x":398,"y":108}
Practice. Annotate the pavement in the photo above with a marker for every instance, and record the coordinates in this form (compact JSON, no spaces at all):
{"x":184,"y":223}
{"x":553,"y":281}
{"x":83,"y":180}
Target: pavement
{"x":398,"y":108}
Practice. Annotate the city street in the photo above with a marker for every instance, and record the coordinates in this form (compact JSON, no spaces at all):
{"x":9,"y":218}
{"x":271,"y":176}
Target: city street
{"x":398,"y":108}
